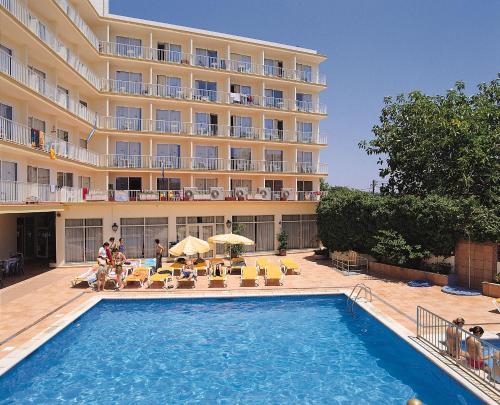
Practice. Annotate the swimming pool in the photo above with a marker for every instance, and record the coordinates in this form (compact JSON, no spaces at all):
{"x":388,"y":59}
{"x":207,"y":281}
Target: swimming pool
{"x":265,"y":350}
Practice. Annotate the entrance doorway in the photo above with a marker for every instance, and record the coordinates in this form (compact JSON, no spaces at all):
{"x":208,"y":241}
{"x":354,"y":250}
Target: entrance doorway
{"x":36,"y":236}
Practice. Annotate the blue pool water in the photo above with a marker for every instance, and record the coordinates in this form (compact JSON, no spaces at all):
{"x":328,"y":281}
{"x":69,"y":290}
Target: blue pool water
{"x":287,"y":350}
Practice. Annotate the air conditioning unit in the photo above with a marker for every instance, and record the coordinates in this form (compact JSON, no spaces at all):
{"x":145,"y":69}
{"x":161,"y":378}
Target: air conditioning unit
{"x":288,"y":194}
{"x":189,"y":192}
{"x":241,"y":192}
{"x":216,"y":193}
{"x":265,"y":192}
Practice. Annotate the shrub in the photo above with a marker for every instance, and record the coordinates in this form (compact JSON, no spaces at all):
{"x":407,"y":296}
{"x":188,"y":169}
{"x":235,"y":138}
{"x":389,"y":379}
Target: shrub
{"x":283,"y":240}
{"x":390,"y":247}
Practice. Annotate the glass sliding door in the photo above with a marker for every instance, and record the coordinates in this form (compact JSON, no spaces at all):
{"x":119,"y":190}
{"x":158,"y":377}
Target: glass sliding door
{"x":128,"y":118}
{"x":129,"y":82}
{"x":273,"y":129}
{"x":304,"y":102}
{"x":304,"y":162}
{"x":241,"y":159}
{"x":168,"y":156}
{"x":130,"y":47}
{"x":241,"y":127}
{"x":304,"y":132}
{"x":206,"y":157}
{"x":168,"y":121}
{"x":6,"y":114}
{"x":274,"y":160}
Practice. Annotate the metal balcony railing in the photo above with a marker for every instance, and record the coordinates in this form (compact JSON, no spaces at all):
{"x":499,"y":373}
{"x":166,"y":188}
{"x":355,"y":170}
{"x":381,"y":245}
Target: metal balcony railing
{"x":22,"y":74}
{"x":32,"y":23}
{"x":19,"y":192}
{"x":209,"y":62}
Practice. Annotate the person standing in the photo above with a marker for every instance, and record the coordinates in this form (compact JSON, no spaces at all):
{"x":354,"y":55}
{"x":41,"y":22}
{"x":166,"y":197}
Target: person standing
{"x":159,"y":253}
{"x":121,"y":246}
{"x":109,"y":255}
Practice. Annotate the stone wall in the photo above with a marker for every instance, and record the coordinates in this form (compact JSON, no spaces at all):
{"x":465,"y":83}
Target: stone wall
{"x":405,"y":274}
{"x":483,"y":263}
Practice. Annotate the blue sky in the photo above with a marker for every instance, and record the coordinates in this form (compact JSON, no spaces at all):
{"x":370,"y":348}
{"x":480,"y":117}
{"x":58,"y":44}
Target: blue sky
{"x":375,"y":48}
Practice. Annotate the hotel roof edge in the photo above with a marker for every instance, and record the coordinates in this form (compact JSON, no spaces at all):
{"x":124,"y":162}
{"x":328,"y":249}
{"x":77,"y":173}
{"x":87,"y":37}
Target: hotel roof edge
{"x":105,"y":13}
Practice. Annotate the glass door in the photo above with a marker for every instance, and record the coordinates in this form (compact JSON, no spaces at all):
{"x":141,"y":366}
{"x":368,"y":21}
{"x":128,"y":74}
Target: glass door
{"x":5,"y":121}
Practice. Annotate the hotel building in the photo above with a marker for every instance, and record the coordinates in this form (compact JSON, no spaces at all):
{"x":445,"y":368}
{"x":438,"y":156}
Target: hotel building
{"x":116,"y":126}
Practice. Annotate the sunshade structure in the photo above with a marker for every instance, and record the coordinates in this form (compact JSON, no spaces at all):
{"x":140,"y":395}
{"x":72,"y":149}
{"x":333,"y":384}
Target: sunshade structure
{"x":189,"y":246}
{"x":230,"y":239}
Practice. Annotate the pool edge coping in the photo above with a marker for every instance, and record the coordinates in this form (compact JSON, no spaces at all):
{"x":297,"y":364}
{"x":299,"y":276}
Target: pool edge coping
{"x":26,"y":349}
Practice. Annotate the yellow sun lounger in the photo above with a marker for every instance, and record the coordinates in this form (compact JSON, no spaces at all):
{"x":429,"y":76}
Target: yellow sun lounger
{"x":139,"y":275}
{"x":262,"y":264}
{"x":187,"y":282}
{"x":274,"y":275}
{"x":163,"y":275}
{"x":249,"y":275}
{"x":237,"y":264}
{"x":291,"y":266}
{"x":201,"y":268}
{"x":214,"y":280}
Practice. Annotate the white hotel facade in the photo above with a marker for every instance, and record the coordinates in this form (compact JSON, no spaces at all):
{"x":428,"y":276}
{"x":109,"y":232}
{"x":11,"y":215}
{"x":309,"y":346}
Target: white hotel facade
{"x":115,"y":126}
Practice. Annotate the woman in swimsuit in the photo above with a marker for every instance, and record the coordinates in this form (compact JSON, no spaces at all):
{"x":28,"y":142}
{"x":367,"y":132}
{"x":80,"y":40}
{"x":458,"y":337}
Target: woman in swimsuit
{"x":475,"y":354}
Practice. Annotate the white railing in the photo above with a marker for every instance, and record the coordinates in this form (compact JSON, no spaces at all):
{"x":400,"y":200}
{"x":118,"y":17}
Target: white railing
{"x":79,"y":22}
{"x":19,"y":192}
{"x":451,"y":340}
{"x":30,"y":21}
{"x":21,"y":73}
{"x":209,"y":62}
{"x":21,"y":134}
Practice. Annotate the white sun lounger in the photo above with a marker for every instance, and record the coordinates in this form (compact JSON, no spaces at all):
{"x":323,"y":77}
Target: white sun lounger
{"x":89,"y":277}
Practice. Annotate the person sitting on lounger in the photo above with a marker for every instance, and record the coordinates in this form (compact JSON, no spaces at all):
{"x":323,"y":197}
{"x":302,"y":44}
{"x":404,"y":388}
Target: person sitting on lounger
{"x":454,"y":337}
{"x":187,"y":272}
{"x":218,"y":270}
{"x":474,"y":355}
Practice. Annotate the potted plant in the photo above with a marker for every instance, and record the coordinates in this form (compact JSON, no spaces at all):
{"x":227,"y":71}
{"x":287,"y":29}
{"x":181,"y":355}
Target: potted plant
{"x":283,"y":243}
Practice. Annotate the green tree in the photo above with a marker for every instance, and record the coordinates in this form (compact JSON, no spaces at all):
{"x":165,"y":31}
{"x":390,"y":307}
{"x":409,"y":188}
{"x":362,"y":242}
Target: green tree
{"x":448,"y":145}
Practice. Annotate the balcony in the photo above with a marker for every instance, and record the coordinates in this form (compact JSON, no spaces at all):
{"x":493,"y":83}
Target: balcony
{"x":15,"y":192}
{"x":31,"y":22}
{"x":207,"y":62}
{"x":21,"y":135}
{"x":220,"y":97}
{"x":11,"y":67}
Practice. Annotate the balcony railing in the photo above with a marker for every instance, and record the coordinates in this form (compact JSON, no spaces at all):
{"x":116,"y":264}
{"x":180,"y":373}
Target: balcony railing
{"x":22,"y":74}
{"x":209,"y":62}
{"x":202,"y":129}
{"x":21,"y":134}
{"x":221,"y":97}
{"x":79,"y":22}
{"x":19,"y":192}
{"x":208,"y":164}
{"x":24,"y":16}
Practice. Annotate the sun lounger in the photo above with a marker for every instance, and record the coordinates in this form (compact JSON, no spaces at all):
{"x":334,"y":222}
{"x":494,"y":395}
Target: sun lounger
{"x":163,"y":275}
{"x":178,"y":265}
{"x":139,"y":275}
{"x":112,"y":277}
{"x":291,"y":266}
{"x":274,"y":275}
{"x":249,"y":276}
{"x":187,"y":282}
{"x":89,"y":277}
{"x":216,"y":280}
{"x":237,"y":264}
{"x":262,"y":264}
{"x":201,"y":267}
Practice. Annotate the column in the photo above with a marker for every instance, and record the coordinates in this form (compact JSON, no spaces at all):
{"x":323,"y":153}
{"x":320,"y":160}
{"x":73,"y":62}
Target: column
{"x":151,"y":39}
{"x":150,"y":181}
{"x":191,"y":80}
{"x":294,"y":97}
{"x":263,"y":126}
{"x":227,"y":131}
{"x":294,"y":61}
{"x":108,"y":36}
{"x":191,"y":50}
{"x":294,"y":136}
{"x":228,"y":57}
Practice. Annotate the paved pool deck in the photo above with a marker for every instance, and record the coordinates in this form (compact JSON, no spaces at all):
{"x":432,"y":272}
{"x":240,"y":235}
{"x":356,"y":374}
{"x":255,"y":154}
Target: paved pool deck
{"x":33,"y":305}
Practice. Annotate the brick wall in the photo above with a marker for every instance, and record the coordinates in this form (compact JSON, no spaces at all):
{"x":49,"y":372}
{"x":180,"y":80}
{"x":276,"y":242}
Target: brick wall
{"x":483,"y":263}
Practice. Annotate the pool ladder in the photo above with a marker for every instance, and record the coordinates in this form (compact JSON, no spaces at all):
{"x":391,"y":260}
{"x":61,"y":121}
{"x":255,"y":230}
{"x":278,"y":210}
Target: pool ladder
{"x":354,"y":295}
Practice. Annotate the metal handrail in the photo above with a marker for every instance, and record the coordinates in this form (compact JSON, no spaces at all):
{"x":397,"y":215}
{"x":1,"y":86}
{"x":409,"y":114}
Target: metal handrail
{"x":359,"y":287}
{"x":439,"y":333}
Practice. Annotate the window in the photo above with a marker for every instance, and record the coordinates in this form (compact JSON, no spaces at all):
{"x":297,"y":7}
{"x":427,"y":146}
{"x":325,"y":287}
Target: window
{"x":206,"y":91}
{"x":258,"y":228}
{"x":241,"y":63}
{"x":130,"y":47}
{"x":6,"y":54}
{"x":129,"y":183}
{"x":168,"y":121}
{"x":63,"y":96}
{"x":139,"y":235}
{"x":168,"y":86}
{"x":304,"y":102}
{"x":302,"y":231}
{"x":276,"y":186}
{"x":273,"y":67}
{"x":83,"y":143}
{"x":84,"y":182}
{"x":240,"y":94}
{"x":38,"y":175}
{"x":273,"y":129}
{"x":241,"y":183}
{"x":168,"y":183}
{"x":64,"y":179}
{"x":208,"y":58}
{"x":128,"y":118}
{"x":8,"y":171}
{"x":201,"y":227}
{"x":83,"y":238}
{"x":274,"y":160}
{"x":206,"y":157}
{"x":304,"y":72}
{"x":128,"y":154}
{"x":205,"y":184}
{"x":304,"y":190}
{"x":304,"y":132}
{"x":35,"y":123}
{"x":168,"y":156}
{"x":273,"y":98}
{"x":37,"y":79}
{"x":241,"y":159}
{"x":128,"y":82}
{"x":169,"y":52}
{"x":63,"y":135}
{"x":304,"y":162}
{"x":6,"y":128}
{"x":241,"y":127}
{"x":206,"y":124}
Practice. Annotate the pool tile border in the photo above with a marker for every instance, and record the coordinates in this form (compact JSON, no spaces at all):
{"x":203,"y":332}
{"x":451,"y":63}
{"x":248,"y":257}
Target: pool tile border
{"x":17,"y":354}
